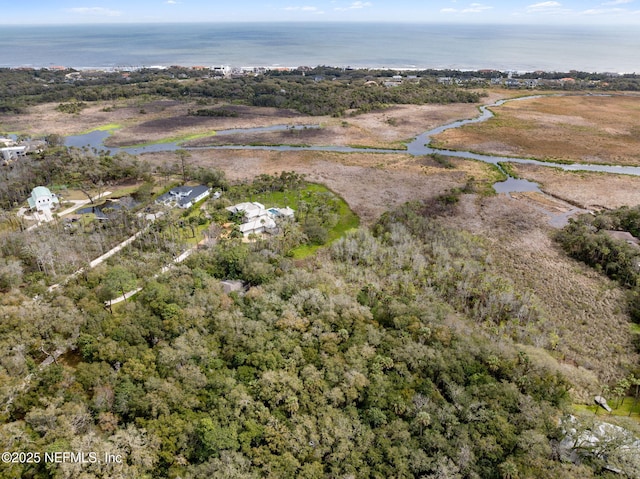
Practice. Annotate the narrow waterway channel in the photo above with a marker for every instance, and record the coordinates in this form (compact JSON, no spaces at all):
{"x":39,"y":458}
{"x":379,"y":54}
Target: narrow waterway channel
{"x":419,"y":146}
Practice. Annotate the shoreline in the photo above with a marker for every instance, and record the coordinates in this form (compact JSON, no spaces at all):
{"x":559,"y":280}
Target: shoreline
{"x":226,"y":70}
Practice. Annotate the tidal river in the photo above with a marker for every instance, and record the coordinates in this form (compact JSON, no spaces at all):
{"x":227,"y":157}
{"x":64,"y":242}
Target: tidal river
{"x":418,"y":147}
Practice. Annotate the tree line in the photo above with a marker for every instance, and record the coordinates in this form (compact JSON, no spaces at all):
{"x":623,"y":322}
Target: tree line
{"x":19,"y":89}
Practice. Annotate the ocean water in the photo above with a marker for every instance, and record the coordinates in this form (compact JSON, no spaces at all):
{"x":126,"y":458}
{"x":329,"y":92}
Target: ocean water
{"x":380,"y":45}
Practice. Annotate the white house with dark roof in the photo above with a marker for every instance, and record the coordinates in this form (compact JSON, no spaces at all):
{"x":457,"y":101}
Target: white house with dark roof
{"x":184,"y":196}
{"x":42,"y":199}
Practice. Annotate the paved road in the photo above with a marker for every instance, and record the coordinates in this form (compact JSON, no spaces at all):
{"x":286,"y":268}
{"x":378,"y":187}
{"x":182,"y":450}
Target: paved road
{"x":79,"y":203}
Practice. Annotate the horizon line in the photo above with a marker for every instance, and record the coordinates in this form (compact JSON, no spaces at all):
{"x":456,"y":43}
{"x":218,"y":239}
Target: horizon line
{"x":319,"y":22}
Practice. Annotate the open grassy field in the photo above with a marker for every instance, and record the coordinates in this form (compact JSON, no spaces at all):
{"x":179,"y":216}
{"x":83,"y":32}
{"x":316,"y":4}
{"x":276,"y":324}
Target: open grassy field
{"x":626,"y":408}
{"x":577,"y":128}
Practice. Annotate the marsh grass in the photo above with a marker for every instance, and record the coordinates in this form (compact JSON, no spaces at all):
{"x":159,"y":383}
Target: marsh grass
{"x":178,"y":139}
{"x":576,"y":129}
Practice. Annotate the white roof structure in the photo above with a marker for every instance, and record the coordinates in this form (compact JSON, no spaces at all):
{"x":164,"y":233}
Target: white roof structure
{"x":42,"y":199}
{"x":251,"y":210}
{"x":10,"y":153}
{"x":285,"y":212}
{"x":257,"y":225}
{"x":258,"y":219}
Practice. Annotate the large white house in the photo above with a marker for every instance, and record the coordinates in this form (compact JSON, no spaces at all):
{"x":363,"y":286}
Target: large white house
{"x":42,"y":199}
{"x":258,"y":225}
{"x":258,"y":219}
{"x":184,"y":196}
{"x":250,"y":210}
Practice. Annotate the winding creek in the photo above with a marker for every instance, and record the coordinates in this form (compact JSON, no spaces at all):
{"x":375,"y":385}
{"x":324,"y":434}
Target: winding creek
{"x":417,"y":147}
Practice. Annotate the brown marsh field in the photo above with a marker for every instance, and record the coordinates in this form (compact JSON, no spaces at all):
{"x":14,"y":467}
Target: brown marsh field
{"x":573,"y":128}
{"x":154,"y":121}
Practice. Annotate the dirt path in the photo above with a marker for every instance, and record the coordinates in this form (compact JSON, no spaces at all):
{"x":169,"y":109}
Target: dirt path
{"x":179,"y":259}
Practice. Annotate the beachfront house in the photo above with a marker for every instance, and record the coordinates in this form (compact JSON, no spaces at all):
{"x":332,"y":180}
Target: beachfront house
{"x":42,"y":199}
{"x":184,"y":196}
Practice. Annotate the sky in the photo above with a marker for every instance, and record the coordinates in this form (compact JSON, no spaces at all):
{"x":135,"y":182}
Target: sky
{"x":598,"y":12}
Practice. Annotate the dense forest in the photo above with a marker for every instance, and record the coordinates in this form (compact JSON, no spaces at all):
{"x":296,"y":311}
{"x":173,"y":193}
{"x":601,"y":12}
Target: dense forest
{"x":319,"y":91}
{"x":364,"y":360}
{"x":315,"y":95}
{"x":346,"y":365}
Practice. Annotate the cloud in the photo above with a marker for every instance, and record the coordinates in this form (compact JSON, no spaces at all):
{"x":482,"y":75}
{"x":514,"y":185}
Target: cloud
{"x":603,"y":11}
{"x":307,"y":9}
{"x":472,"y":8}
{"x":172,"y":2}
{"x":95,"y":11}
{"x":354,"y":6}
{"x":476,"y":8}
{"x":543,"y":7}
{"x":617,"y":2}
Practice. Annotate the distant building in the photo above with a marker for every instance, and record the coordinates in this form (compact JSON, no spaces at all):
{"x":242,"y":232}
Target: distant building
{"x":42,"y":199}
{"x":222,"y":70}
{"x":11,"y":153}
{"x":281,"y":212}
{"x":624,"y":236}
{"x":184,"y":196}
{"x":230,"y":286}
